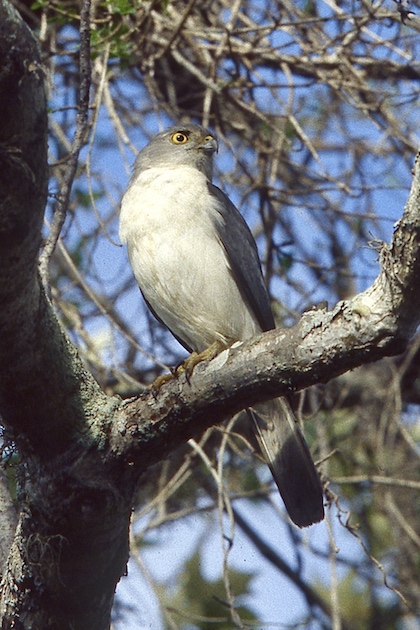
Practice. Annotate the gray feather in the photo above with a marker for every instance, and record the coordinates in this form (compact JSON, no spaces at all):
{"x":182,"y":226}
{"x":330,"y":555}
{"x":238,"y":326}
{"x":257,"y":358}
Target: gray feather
{"x":243,"y":256}
{"x":289,"y":459}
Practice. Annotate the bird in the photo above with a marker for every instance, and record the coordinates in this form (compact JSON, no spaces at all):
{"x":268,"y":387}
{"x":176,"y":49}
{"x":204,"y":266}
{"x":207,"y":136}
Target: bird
{"x":196,"y":263}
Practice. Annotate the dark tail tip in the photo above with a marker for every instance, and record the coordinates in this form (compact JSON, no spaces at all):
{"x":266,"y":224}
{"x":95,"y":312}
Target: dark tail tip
{"x":299,"y":483}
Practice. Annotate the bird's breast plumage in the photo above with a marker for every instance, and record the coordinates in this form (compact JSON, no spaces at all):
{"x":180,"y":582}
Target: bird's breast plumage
{"x":170,"y":220}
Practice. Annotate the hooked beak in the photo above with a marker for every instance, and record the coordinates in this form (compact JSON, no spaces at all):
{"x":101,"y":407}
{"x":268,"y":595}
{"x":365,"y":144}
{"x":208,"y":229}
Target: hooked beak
{"x":209,"y":145}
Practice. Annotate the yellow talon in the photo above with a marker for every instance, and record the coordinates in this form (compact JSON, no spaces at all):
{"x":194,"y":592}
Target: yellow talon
{"x":188,"y":365}
{"x":197,"y":357}
{"x":159,"y":381}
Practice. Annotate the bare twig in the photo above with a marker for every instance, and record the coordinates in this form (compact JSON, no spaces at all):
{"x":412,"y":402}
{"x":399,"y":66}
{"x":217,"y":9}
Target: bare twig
{"x":79,"y":139}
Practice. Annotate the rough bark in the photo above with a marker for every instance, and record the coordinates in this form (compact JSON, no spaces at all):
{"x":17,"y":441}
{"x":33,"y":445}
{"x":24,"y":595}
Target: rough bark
{"x":82,"y":452}
{"x":8,"y":519}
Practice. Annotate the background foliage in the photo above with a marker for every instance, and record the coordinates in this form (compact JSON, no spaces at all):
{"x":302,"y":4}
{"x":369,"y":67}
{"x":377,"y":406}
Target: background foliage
{"x":316,"y":107}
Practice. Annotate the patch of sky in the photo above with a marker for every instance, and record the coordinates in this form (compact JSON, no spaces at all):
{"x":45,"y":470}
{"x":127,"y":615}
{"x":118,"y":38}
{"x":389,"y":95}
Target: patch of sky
{"x":273,"y":597}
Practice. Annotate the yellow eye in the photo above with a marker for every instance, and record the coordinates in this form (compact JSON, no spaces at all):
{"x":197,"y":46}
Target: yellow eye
{"x":179,"y":138}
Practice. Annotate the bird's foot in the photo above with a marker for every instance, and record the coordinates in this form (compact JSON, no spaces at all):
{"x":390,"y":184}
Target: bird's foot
{"x":161,"y":380}
{"x":189,"y":364}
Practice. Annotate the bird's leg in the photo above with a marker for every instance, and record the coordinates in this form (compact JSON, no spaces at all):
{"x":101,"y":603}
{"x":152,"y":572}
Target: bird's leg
{"x":189,"y":364}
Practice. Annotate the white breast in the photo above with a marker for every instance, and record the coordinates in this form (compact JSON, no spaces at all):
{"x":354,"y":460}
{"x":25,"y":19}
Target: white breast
{"x":168,"y":220}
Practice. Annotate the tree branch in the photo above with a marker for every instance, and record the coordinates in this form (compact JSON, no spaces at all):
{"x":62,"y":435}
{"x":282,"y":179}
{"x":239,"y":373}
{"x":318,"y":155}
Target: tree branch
{"x":311,"y":596}
{"x":60,"y":211}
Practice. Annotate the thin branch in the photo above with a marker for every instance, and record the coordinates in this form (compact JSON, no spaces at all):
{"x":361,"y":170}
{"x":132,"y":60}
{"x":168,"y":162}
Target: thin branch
{"x":63,"y":197}
{"x":312,"y":598}
{"x":384,"y":481}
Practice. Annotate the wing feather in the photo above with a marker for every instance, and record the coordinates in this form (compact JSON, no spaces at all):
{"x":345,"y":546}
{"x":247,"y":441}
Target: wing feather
{"x":242,"y":253}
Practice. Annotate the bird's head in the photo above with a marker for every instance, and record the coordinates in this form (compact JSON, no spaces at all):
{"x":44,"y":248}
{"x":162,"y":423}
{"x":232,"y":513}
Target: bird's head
{"x":182,"y":145}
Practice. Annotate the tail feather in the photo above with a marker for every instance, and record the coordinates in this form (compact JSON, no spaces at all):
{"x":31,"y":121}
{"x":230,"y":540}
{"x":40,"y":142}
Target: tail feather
{"x":287,"y":454}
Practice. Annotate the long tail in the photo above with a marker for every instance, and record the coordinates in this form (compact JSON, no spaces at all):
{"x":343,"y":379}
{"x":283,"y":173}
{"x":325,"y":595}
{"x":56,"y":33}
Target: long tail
{"x":287,"y":454}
